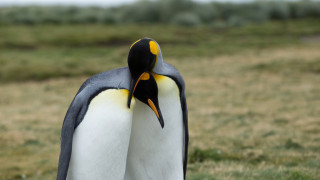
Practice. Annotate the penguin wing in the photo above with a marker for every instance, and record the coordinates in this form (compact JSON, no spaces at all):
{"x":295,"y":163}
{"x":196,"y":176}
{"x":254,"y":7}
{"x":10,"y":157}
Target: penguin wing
{"x":173,"y":73}
{"x":114,"y":79}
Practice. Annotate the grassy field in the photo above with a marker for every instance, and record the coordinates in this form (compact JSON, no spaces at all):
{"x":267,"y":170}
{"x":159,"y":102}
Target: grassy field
{"x":253,"y":94}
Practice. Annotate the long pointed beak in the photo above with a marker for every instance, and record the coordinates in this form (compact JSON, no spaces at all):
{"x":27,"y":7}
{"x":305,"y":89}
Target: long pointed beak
{"x":149,"y":94}
{"x":156,"y":109}
{"x":133,"y":86}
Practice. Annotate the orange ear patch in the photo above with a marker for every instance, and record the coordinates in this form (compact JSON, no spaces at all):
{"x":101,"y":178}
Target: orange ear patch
{"x":145,"y":76}
{"x":154,"y":48}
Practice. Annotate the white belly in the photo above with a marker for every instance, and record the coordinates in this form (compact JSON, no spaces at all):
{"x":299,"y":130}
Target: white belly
{"x":156,"y":153}
{"x":100,"y":142}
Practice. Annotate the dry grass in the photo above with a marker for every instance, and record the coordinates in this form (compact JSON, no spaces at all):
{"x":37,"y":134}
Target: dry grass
{"x":259,"y":123}
{"x":31,"y":117}
{"x":253,"y":115}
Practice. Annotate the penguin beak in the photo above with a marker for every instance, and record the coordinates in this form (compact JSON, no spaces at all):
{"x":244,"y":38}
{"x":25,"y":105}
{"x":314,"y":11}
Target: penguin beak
{"x":150,"y":97}
{"x":156,"y":109}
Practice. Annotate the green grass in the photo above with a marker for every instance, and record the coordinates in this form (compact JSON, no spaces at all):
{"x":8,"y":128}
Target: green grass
{"x":253,"y":94}
{"x":47,"y":51}
{"x":290,"y":66}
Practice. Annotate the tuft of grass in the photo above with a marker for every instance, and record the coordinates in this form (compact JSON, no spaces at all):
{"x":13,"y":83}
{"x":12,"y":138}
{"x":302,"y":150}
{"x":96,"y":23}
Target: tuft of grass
{"x":32,"y":142}
{"x":201,"y":176}
{"x":292,"y":145}
{"x":198,"y":155}
{"x":298,"y":175}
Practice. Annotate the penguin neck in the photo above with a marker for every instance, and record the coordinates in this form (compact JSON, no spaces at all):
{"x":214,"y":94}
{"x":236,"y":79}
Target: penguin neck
{"x":153,"y":151}
{"x":158,"y":68}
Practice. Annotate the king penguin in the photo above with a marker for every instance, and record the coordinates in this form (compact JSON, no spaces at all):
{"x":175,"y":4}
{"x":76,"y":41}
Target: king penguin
{"x":154,"y":152}
{"x":107,"y":132}
{"x":96,"y":130}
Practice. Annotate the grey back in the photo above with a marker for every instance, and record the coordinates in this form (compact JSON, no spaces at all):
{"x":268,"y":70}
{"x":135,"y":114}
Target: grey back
{"x":114,"y":79}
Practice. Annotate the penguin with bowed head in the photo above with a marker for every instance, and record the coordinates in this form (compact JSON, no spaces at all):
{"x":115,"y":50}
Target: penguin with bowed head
{"x":109,"y":130}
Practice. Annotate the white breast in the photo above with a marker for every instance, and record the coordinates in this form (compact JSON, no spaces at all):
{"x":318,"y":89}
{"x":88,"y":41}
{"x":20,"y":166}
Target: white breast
{"x":100,"y":142}
{"x":156,"y":153}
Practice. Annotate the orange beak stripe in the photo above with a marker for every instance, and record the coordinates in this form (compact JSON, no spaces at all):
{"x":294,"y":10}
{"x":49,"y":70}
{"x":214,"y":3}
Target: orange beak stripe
{"x":144,"y":76}
{"x":137,"y":82}
{"x":153,"y":107}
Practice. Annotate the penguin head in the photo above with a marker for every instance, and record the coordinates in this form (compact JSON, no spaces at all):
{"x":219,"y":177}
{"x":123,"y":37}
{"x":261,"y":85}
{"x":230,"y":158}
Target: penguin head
{"x":142,"y":59}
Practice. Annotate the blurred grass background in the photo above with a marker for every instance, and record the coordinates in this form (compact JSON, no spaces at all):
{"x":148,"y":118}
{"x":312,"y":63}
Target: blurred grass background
{"x":252,"y":72}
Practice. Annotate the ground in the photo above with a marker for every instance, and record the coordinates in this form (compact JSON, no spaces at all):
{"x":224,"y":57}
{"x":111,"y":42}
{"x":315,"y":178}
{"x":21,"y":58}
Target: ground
{"x":252,"y":93}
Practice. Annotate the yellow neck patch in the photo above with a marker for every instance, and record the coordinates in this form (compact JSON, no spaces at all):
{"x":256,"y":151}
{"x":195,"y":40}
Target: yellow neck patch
{"x":134,"y":43}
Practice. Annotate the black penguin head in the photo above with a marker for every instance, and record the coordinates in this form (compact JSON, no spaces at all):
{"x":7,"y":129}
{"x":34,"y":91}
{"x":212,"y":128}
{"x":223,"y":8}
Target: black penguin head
{"x":142,"y":59}
{"x":142,"y":56}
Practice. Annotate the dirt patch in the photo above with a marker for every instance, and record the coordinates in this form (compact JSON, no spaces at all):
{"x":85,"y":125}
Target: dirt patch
{"x":311,"y":39}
